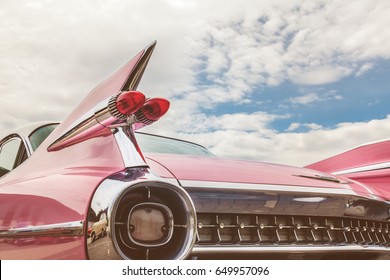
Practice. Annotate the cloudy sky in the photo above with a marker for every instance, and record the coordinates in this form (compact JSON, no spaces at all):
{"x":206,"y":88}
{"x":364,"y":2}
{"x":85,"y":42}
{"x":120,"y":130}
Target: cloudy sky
{"x":287,"y":81}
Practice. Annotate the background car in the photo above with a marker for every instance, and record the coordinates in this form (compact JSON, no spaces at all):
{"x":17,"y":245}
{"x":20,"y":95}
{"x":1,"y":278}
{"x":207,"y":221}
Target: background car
{"x":162,"y":198}
{"x":99,"y":228}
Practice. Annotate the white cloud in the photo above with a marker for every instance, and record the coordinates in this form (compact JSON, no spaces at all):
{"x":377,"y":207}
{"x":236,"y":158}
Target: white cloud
{"x":311,"y":126}
{"x":319,"y":75}
{"x":313,"y":97}
{"x":293,"y":126}
{"x":298,"y":149}
{"x":305,"y":99}
{"x":364,"y":68}
{"x":257,"y":121}
{"x":315,"y":145}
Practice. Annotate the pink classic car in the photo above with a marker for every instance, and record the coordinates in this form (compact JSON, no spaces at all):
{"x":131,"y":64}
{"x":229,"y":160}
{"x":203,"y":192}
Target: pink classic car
{"x":93,"y":188}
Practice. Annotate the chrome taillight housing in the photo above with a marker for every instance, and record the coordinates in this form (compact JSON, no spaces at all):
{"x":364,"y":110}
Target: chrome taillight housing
{"x":146,"y":220}
{"x":154,"y":221}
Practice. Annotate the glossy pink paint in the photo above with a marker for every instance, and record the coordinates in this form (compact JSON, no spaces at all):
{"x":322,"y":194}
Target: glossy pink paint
{"x":379,"y":180}
{"x":56,"y":187}
{"x":240,"y":171}
{"x":369,"y":154}
{"x":361,"y":157}
{"x":52,"y":248}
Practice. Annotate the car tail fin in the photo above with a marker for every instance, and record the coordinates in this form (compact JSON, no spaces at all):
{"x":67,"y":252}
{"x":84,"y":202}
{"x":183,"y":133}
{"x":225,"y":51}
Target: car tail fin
{"x":368,"y":164}
{"x":113,"y":103}
{"x":367,"y":157}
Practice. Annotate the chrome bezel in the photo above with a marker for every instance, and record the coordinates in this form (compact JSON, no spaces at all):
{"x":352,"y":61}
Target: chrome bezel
{"x":189,"y":212}
{"x":109,"y":195}
{"x":114,"y":110}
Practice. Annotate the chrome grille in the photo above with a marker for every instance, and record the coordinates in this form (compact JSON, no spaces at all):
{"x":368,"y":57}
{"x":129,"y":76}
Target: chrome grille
{"x":251,"y":229}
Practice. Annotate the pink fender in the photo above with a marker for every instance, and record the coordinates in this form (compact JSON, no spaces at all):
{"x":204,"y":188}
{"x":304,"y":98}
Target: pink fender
{"x":368,"y":164}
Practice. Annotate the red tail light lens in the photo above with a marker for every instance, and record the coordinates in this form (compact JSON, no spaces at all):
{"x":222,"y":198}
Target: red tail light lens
{"x":129,"y":102}
{"x":155,"y":108}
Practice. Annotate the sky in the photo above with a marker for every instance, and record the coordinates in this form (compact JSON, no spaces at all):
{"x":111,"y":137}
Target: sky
{"x":283,"y":81}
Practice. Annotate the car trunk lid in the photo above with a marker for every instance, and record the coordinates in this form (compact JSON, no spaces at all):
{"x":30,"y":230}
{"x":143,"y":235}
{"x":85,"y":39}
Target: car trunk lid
{"x":196,"y":168}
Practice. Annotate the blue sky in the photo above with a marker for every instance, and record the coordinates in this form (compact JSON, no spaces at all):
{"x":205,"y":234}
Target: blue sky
{"x":286,"y":81}
{"x":358,"y":99}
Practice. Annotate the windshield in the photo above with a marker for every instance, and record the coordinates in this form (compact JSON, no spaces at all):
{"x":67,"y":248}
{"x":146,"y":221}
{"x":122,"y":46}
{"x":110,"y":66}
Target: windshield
{"x":149,"y":143}
{"x":163,"y":145}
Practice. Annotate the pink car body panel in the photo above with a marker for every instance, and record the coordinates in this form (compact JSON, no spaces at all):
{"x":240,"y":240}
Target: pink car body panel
{"x":247,"y":172}
{"x":42,"y":200}
{"x":368,"y":154}
{"x":367,"y":164}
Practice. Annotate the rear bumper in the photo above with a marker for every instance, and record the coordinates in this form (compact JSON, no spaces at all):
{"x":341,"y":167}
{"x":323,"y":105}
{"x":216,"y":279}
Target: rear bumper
{"x":291,"y":252}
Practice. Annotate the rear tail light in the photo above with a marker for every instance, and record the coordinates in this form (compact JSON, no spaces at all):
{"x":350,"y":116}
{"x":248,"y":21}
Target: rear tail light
{"x":150,"y":224}
{"x":129,"y":102}
{"x":152,"y":110}
{"x":155,"y":108}
{"x":125,"y":104}
{"x":127,"y":108}
{"x":149,"y":220}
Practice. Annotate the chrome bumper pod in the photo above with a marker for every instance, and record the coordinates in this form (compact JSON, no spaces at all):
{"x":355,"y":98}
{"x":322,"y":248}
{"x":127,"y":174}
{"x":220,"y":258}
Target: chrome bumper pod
{"x":136,"y":188}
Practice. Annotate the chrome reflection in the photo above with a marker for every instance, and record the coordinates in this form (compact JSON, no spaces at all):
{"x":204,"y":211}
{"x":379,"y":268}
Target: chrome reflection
{"x":225,"y":197}
{"x":234,"y":250}
{"x":98,"y":228}
{"x":62,"y":229}
{"x":119,"y":196}
{"x":309,"y":199}
{"x":189,"y":184}
{"x":372,"y":167}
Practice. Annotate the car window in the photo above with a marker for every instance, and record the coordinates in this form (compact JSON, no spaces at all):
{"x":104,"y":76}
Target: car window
{"x":40,"y":134}
{"x":10,"y":156}
{"x":157,"y":144}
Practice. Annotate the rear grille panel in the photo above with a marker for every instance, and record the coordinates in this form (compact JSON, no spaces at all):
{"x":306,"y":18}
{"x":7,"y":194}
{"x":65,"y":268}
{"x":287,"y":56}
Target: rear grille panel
{"x":254,"y":229}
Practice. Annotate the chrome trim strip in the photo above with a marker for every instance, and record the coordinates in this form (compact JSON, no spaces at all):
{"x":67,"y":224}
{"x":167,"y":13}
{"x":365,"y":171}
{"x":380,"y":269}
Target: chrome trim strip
{"x":371,"y":167}
{"x":264,"y":187}
{"x":81,"y":132}
{"x":172,"y":181}
{"x":91,"y":112}
{"x":75,"y":228}
{"x":286,"y":249}
{"x":373,"y":195}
